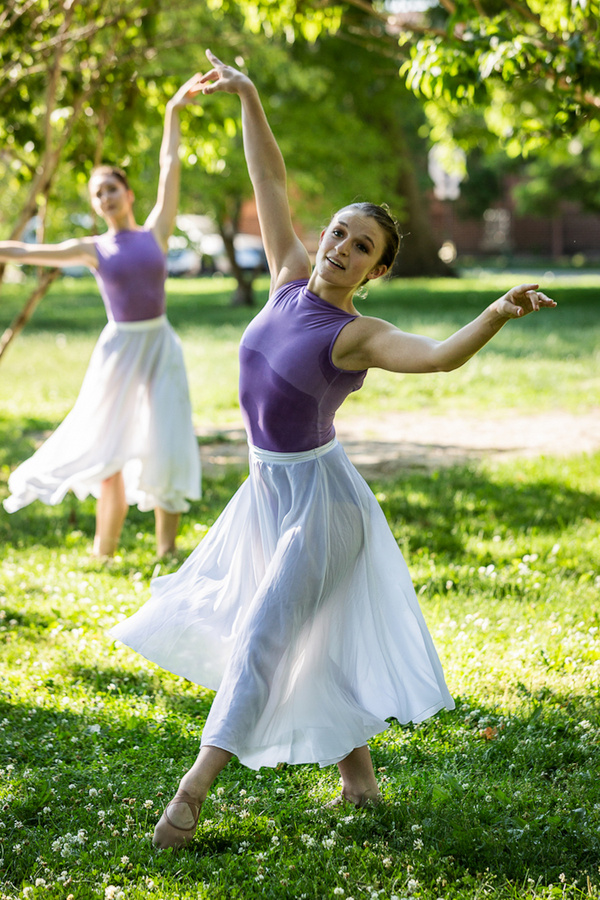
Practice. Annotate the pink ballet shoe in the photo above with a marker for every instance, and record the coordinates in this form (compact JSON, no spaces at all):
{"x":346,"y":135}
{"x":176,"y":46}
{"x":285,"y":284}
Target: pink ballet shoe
{"x":366,"y":799}
{"x":168,"y":835}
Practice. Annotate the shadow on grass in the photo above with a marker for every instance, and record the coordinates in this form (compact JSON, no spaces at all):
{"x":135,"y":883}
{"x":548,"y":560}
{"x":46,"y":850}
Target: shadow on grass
{"x":442,"y":510}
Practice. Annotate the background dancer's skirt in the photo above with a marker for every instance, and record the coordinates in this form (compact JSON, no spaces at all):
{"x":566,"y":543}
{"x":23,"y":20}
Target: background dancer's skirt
{"x":133,"y":414}
{"x":298,"y":608}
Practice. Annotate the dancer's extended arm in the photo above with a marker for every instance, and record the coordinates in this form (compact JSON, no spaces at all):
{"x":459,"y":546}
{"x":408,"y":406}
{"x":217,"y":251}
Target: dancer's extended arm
{"x":368,"y":342}
{"x":75,"y":252}
{"x":286,"y":255}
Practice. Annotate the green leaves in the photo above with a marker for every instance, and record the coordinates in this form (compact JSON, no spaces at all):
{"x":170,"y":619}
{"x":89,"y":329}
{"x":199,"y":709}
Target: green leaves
{"x":543,"y":54}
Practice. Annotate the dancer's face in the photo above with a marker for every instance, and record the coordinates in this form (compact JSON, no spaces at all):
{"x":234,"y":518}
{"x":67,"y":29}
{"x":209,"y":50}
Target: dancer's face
{"x":350,"y":249}
{"x":109,"y":196}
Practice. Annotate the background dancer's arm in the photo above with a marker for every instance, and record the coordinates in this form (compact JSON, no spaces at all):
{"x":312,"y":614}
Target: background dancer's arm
{"x":286,"y":255}
{"x":161,"y":220}
{"x":75,"y":252}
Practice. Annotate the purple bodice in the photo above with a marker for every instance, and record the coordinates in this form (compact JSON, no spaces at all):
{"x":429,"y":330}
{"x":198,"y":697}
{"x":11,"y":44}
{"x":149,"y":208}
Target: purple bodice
{"x":289,"y":388}
{"x":131,"y":275}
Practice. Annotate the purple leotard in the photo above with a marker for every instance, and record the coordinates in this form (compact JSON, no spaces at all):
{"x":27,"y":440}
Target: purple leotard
{"x":131,"y":275}
{"x":289,"y":388}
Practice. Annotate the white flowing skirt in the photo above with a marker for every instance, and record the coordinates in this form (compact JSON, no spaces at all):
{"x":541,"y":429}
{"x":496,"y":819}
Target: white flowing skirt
{"x":298,"y":609}
{"x":132,"y":415}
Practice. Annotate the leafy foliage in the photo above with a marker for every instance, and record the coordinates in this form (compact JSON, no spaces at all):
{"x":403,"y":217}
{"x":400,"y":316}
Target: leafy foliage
{"x":532,"y":66}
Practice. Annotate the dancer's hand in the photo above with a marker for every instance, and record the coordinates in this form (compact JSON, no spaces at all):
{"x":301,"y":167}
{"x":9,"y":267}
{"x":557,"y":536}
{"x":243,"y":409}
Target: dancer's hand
{"x":521,"y":300}
{"x":223,"y":78}
{"x":187,"y":93}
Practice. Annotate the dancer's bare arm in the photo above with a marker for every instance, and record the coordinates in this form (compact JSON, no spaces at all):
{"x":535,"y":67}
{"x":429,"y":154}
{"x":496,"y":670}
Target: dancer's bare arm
{"x":75,"y":252}
{"x":373,"y":343}
{"x":161,"y":220}
{"x":286,"y":255}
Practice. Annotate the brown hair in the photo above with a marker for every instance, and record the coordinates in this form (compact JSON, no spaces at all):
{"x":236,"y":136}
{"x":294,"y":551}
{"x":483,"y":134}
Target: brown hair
{"x":115,"y":171}
{"x":388,"y":225}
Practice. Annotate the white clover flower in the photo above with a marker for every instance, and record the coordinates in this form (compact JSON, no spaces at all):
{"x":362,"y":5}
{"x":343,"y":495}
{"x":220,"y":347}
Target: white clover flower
{"x":308,"y":840}
{"x":275,"y":840}
{"x":27,"y":891}
{"x":40,"y":882}
{"x":412,"y":885}
{"x":111,"y":892}
{"x":259,"y":877}
{"x":416,"y":829}
{"x":220,"y":791}
{"x":418,"y":844}
{"x":47,"y":810}
{"x":280,"y":790}
{"x":124,"y":860}
{"x":328,"y":843}
{"x":387,"y":862}
{"x":339,"y":891}
{"x":93,"y":792}
{"x":148,"y":804}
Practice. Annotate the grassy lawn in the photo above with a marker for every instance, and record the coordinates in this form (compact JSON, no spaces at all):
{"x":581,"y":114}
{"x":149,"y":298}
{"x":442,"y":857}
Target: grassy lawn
{"x":499,"y":799}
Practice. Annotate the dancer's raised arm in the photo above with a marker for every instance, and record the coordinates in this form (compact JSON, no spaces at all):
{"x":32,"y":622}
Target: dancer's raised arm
{"x":286,"y":255}
{"x":162,"y":218}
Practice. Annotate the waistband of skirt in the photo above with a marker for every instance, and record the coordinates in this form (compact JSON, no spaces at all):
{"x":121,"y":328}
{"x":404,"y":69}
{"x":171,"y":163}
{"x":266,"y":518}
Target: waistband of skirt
{"x":271,"y":456}
{"x":140,"y":324}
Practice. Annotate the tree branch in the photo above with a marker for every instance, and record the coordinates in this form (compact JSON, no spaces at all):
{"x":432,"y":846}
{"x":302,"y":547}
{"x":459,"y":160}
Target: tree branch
{"x":19,"y":323}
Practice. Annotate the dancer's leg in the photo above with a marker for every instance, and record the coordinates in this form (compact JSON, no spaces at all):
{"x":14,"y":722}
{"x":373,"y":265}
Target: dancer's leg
{"x":359,"y":785}
{"x":111,"y":510}
{"x":167,"y":525}
{"x":194,"y":786}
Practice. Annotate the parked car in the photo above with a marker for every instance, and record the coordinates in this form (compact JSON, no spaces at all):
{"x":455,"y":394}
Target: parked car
{"x":249,"y":253}
{"x":183,"y":261}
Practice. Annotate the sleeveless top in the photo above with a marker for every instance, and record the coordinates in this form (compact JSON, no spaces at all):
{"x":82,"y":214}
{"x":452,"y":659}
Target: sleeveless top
{"x":289,"y":388}
{"x":131,"y":275}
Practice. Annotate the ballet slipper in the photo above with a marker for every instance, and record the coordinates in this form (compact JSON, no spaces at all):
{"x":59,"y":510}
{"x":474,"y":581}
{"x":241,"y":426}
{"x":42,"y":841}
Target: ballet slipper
{"x":168,"y":835}
{"x":364,"y":801}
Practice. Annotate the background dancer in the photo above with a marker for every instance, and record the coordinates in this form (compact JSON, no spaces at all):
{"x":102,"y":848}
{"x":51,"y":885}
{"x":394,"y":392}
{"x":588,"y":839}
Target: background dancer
{"x":129,"y":438}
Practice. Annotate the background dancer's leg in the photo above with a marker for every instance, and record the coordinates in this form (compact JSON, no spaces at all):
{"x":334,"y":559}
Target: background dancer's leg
{"x":111,"y":510}
{"x":167,"y":525}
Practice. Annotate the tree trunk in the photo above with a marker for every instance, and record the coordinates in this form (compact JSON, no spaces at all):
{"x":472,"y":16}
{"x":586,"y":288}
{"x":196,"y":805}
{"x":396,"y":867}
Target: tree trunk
{"x":418,"y":257}
{"x":244,"y":291}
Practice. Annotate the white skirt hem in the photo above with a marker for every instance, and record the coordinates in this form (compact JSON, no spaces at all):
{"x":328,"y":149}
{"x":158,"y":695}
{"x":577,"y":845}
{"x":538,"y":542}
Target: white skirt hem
{"x":132,"y":415}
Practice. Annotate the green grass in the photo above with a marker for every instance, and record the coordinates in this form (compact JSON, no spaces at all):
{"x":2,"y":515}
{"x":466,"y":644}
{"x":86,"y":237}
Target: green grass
{"x":500,"y":798}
